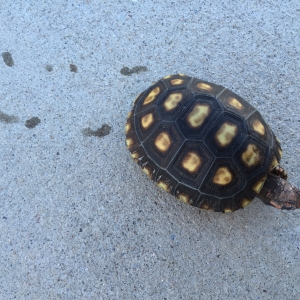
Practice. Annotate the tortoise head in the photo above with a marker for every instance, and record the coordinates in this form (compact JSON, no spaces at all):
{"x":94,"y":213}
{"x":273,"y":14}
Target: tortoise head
{"x":278,"y":192}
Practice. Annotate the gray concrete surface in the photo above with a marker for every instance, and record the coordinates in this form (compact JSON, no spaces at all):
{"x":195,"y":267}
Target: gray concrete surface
{"x":78,"y":219}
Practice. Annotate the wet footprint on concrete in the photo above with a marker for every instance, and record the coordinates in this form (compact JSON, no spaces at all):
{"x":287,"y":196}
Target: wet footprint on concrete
{"x":73,"y":68}
{"x":7,"y":58}
{"x":104,"y":130}
{"x":31,"y":123}
{"x":128,"y":72}
{"x":49,"y":68}
{"x":5,"y":118}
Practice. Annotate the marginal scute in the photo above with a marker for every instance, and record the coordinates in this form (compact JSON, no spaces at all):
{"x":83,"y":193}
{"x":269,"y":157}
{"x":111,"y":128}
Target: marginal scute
{"x":147,"y":171}
{"x":172,"y":101}
{"x":129,"y":114}
{"x":127,"y":127}
{"x":235,"y":103}
{"x":163,"y":185}
{"x":135,"y":100}
{"x":152,"y":95}
{"x":184,"y":198}
{"x":251,"y":156}
{"x":135,"y":155}
{"x":147,"y":120}
{"x":280,"y":152}
{"x":259,"y":127}
{"x":163,"y":142}
{"x":191,"y":162}
{"x":226,"y":134}
{"x":204,"y":206}
{"x":227,"y":210}
{"x":257,"y":186}
{"x":223,"y":176}
{"x":204,"y":86}
{"x":177,"y":81}
{"x":274,"y":163}
{"x":245,"y":202}
{"x":198,"y":115}
{"x":129,"y":142}
{"x":168,"y":76}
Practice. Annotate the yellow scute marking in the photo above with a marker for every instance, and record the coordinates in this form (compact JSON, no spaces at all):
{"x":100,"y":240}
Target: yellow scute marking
{"x":147,"y":171}
{"x":274,"y":163}
{"x":204,"y":86}
{"x":168,"y":76}
{"x":191,"y":162}
{"x":280,"y":152}
{"x":163,"y":142}
{"x":164,"y":186}
{"x":235,"y":103}
{"x":172,"y":101}
{"x":223,"y":176}
{"x":129,"y":114}
{"x":245,"y":202}
{"x":135,"y":155}
{"x":226,"y":133}
{"x":251,"y":156}
{"x":127,"y":127}
{"x":177,"y":81}
{"x":129,"y":142}
{"x":152,"y":95}
{"x":259,"y":127}
{"x":184,"y":198}
{"x":204,"y":206}
{"x":227,"y":210}
{"x":258,"y":185}
{"x":147,"y":121}
{"x":198,"y":115}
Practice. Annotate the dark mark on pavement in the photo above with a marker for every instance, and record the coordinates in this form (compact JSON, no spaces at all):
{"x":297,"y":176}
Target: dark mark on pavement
{"x":7,"y":58}
{"x":31,"y":123}
{"x":104,"y":130}
{"x":5,"y":118}
{"x":49,"y":68}
{"x":128,"y":72}
{"x":73,"y":68}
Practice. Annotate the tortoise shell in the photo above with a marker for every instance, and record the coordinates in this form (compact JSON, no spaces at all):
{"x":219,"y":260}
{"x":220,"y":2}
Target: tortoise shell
{"x":201,"y":142}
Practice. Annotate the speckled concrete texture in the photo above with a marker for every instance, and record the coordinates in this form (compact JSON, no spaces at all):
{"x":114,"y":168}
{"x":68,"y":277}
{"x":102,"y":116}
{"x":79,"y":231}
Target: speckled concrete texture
{"x":78,"y":219}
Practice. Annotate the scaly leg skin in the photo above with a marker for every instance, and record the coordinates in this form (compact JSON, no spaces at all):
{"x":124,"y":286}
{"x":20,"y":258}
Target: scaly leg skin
{"x":281,"y":194}
{"x":280,"y":171}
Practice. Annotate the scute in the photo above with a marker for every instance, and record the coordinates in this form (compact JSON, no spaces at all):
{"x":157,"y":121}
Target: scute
{"x":228,"y":131}
{"x":180,"y":167}
{"x":198,"y":116}
{"x":202,"y":143}
{"x":163,"y":143}
{"x":259,"y":128}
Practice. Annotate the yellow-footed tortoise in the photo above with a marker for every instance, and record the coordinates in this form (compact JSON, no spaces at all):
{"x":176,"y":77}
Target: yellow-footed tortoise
{"x":207,"y":146}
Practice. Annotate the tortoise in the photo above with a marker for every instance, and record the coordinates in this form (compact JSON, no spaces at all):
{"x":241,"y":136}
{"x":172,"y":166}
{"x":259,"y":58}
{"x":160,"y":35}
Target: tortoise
{"x":207,"y":146}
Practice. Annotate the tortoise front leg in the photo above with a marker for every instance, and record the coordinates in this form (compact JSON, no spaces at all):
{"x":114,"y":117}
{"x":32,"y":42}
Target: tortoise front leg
{"x":280,"y":193}
{"x":280,"y":171}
